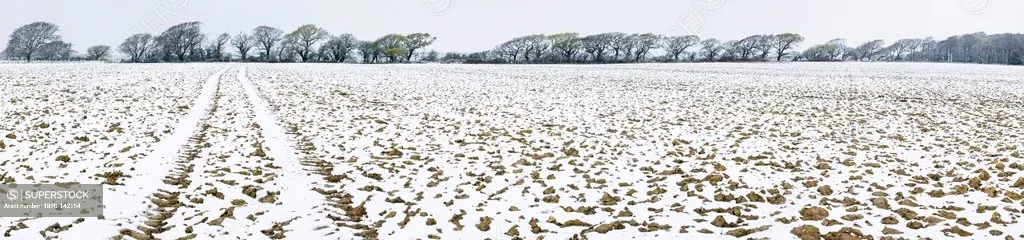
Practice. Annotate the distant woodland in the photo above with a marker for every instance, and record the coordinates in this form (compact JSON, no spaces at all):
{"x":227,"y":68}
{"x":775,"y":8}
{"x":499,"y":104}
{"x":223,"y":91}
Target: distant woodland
{"x":186,"y":42}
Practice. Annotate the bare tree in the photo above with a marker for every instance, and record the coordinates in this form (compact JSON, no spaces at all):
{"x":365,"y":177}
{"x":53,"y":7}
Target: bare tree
{"x":306,"y":37}
{"x":536,"y":45}
{"x":644,"y":43}
{"x":55,"y":51}
{"x":567,"y":45}
{"x":243,"y":43}
{"x":287,"y":49}
{"x":512,"y":49}
{"x":711,"y":47}
{"x":267,"y":37}
{"x":339,"y":48}
{"x":137,"y":46}
{"x":323,"y":54}
{"x":507,"y":51}
{"x":596,"y":45}
{"x":27,"y":40}
{"x":836,"y":48}
{"x":97,"y":52}
{"x":620,"y":43}
{"x":416,"y":41}
{"x":763,"y":45}
{"x":927,"y":49}
{"x":902,"y":47}
{"x":628,"y":45}
{"x":677,"y":45}
{"x":745,"y":47}
{"x":160,"y":51}
{"x":217,"y":46}
{"x":732,"y":50}
{"x":183,"y":39}
{"x":867,"y":50}
{"x":784,"y":42}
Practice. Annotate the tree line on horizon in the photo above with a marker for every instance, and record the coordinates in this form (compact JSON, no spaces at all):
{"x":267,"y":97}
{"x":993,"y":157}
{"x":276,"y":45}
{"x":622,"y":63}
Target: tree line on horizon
{"x":308,"y":43}
{"x":617,"y":47}
{"x":186,"y":42}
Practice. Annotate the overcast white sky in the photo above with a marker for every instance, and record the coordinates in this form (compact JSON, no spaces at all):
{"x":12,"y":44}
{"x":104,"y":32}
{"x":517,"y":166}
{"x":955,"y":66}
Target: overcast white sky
{"x":474,"y":25}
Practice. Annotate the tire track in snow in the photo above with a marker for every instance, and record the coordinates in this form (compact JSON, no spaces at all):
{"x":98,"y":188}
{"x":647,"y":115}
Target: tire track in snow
{"x":348,"y":219}
{"x":295,"y":215}
{"x":343,"y":211}
{"x":162,"y":203}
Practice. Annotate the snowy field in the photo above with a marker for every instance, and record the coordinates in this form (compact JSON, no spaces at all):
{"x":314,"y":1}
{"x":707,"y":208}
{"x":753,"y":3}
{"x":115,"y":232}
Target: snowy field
{"x":655,"y":151}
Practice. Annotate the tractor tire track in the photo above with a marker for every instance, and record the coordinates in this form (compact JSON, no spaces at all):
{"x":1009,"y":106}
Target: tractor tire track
{"x":294,"y":214}
{"x":341,"y":209}
{"x":166,"y":200}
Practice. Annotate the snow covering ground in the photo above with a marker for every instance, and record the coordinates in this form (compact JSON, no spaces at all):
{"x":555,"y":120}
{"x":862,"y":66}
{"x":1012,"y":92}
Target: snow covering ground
{"x":654,"y":151}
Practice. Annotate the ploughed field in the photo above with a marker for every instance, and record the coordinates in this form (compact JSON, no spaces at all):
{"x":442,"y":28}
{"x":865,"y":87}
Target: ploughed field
{"x":656,"y":151}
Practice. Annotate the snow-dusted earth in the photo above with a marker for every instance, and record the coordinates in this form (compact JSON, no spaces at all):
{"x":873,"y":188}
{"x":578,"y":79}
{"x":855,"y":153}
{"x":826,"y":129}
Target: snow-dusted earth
{"x":657,"y":151}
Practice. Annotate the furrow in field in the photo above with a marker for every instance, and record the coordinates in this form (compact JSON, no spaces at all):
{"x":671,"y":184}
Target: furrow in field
{"x":295,"y":216}
{"x":166,"y":200}
{"x":118,"y":125}
{"x":658,"y":151}
{"x":131,"y":199}
{"x":342,"y":215}
{"x":236,"y":188}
